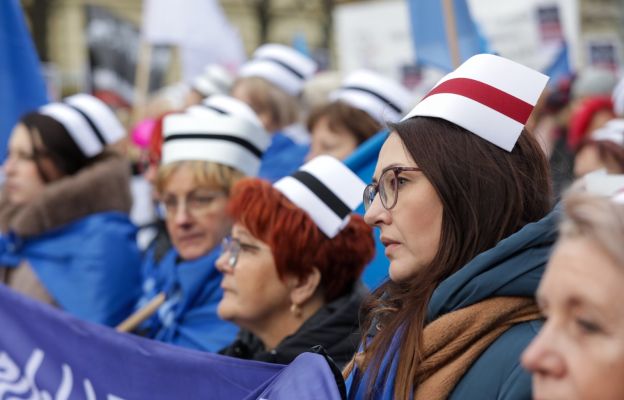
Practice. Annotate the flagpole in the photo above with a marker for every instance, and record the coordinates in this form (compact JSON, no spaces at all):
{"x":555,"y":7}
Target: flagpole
{"x":142,"y":314}
{"x":451,"y":32}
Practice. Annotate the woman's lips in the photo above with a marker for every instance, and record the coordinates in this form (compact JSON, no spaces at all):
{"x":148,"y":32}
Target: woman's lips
{"x":390,"y":245}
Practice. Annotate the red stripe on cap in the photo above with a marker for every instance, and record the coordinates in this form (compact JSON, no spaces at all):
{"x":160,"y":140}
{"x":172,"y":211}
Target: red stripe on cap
{"x":494,"y":98}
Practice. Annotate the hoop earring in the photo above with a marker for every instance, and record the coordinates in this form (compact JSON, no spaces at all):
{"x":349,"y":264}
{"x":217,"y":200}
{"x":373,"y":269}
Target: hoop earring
{"x":296,"y":310}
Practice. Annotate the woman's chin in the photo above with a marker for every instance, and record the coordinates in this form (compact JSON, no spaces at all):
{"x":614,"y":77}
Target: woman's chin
{"x":401,"y":270}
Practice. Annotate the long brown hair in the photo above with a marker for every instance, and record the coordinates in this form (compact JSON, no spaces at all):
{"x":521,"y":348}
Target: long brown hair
{"x":487,"y":194}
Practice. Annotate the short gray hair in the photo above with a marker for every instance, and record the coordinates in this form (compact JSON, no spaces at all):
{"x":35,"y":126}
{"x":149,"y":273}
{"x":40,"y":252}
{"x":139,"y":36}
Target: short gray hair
{"x":597,"y":218}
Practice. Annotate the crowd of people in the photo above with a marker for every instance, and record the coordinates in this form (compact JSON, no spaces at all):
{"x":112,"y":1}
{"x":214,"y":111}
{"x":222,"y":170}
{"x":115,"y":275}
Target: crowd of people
{"x":499,"y":202}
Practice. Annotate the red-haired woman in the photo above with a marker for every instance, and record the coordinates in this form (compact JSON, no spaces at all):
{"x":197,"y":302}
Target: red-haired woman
{"x":292,"y":265}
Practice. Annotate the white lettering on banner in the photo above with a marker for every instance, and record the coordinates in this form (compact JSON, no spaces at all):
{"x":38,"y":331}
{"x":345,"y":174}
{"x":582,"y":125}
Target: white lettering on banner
{"x":13,"y":383}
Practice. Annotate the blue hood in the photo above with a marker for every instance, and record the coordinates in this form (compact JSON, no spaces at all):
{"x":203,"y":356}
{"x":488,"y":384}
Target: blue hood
{"x":513,"y":267}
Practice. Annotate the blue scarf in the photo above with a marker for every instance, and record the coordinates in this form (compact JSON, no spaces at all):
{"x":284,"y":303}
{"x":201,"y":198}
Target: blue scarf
{"x":188,"y":317}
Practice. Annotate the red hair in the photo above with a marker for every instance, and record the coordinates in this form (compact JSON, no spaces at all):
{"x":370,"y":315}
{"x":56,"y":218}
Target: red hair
{"x":297,"y":244}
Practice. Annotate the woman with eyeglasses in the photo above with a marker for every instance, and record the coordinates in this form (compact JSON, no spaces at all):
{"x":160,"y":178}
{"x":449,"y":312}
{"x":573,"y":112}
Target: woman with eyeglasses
{"x":291,"y":268}
{"x":579,"y":352}
{"x":461,"y":196}
{"x":203,"y":156}
{"x":65,"y":235}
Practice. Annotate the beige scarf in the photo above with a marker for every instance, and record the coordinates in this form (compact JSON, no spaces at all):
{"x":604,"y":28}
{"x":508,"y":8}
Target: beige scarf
{"x":453,"y":342}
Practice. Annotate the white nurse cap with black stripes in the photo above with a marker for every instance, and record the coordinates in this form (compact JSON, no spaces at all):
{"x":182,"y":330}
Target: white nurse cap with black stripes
{"x":327,"y":190}
{"x":220,"y":104}
{"x":91,"y":124}
{"x":223,"y":139}
{"x":383,"y":99}
{"x":281,"y":65}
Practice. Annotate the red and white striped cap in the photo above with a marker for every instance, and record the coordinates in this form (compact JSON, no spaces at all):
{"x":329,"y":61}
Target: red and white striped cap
{"x":488,"y":95}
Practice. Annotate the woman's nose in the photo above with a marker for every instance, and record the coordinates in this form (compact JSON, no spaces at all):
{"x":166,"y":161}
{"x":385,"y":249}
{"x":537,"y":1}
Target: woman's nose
{"x":542,"y":355}
{"x":222,"y":262}
{"x":376,"y":213}
{"x":9,"y":166}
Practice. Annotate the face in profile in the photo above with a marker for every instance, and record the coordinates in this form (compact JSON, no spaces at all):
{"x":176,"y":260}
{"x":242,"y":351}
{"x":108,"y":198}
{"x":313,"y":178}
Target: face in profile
{"x":588,"y":159}
{"x":253,"y":293}
{"x":195,"y":215}
{"x":410,"y":231}
{"x":23,"y":181}
{"x":579,"y":353}
{"x":338,"y":142}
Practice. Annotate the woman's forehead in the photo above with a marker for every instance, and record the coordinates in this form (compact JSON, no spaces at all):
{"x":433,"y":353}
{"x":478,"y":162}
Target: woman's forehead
{"x":570,"y":279}
{"x":393,"y":153}
{"x":20,"y":137}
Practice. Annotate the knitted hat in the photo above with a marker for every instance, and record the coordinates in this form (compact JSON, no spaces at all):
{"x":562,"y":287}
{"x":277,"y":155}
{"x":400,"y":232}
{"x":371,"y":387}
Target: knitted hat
{"x":593,"y":81}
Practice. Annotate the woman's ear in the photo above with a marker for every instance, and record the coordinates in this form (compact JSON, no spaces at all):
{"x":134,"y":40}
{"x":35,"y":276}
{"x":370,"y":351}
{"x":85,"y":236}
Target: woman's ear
{"x":303,"y":289}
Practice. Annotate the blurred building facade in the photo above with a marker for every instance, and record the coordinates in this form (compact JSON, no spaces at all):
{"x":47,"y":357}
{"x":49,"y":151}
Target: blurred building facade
{"x":58,"y":29}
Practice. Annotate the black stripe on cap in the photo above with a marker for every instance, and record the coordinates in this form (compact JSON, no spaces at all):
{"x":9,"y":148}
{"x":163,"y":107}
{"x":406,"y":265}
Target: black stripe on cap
{"x":216,"y":109}
{"x":373,"y":93}
{"x":284,"y":65}
{"x":216,"y":136}
{"x":323,"y":192}
{"x":94,"y":127}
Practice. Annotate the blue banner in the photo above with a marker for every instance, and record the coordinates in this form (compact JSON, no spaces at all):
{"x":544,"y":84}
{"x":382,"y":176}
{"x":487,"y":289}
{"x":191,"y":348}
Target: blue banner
{"x":48,"y":354}
{"x":429,"y":33}
{"x":22,"y":88}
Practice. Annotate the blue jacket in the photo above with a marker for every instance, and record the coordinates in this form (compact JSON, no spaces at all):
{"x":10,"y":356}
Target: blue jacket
{"x":188,"y":317}
{"x":512,"y":268}
{"x":282,"y":158}
{"x":90,"y":267}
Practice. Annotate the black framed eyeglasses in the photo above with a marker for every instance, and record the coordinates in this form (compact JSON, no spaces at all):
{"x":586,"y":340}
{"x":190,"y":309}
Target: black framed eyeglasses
{"x":387,"y":187}
{"x":233,"y":247}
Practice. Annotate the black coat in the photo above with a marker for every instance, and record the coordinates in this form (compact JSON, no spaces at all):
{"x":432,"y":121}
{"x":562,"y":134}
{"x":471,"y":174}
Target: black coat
{"x":334,"y":326}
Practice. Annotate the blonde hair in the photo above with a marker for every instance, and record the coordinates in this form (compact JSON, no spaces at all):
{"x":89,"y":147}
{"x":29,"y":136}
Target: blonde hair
{"x":266,"y":97}
{"x":597,"y":218}
{"x":205,"y":174}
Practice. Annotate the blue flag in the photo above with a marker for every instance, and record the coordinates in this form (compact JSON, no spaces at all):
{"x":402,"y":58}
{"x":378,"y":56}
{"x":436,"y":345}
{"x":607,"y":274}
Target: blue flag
{"x":363,"y":161}
{"x":560,"y":67}
{"x":429,"y":33}
{"x":22,"y":88}
{"x":46,"y":353}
